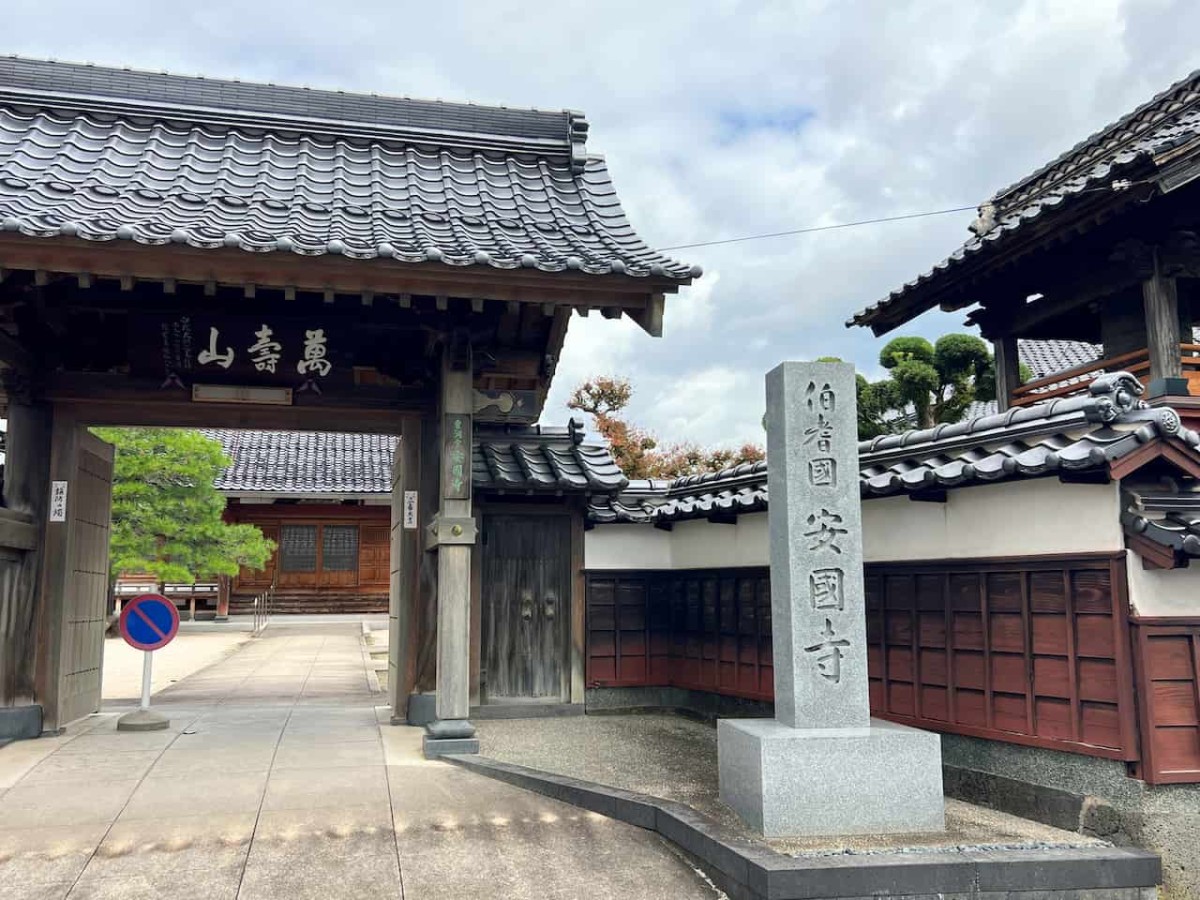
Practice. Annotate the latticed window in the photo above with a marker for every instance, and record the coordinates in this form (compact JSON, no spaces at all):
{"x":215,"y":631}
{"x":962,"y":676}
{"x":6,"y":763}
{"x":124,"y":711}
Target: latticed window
{"x":339,"y":548}
{"x":298,"y":548}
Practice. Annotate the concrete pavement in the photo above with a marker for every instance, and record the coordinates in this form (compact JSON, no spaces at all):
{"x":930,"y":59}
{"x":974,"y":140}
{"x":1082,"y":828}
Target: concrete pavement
{"x":190,"y":652}
{"x":276,"y":780}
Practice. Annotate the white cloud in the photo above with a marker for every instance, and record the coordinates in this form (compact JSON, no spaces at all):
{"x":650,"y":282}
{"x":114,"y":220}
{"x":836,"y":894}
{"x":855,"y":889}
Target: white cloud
{"x":717,"y":121}
{"x":718,"y":405}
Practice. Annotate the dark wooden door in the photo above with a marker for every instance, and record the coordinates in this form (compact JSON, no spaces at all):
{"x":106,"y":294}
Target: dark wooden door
{"x":526,"y":591}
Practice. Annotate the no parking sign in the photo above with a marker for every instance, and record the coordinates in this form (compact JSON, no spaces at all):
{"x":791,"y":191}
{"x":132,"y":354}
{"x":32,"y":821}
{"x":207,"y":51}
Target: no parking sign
{"x":148,"y":622}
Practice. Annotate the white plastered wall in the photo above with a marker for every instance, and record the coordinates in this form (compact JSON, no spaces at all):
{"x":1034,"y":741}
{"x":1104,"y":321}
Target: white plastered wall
{"x":1163,"y":592}
{"x":626,"y":547}
{"x":1036,"y":517}
{"x":1018,"y":518}
{"x":697,"y":544}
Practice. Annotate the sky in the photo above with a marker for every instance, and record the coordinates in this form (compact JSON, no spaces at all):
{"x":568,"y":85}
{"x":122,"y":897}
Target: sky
{"x":718,"y":119}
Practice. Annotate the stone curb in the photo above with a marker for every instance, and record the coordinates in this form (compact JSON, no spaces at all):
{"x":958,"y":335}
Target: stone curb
{"x":364,"y":645}
{"x":745,"y":869}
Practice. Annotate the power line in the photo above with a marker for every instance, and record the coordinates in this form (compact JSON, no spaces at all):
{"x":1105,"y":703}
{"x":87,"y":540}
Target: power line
{"x":1118,"y":185}
{"x":759,"y":237}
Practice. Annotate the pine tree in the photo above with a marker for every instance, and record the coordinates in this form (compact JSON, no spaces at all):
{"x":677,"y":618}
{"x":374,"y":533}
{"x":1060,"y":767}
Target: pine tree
{"x":167,"y":514}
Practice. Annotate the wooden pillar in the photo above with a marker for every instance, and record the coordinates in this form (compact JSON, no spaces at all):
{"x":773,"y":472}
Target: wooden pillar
{"x":578,"y":628}
{"x":453,"y":534}
{"x":1008,"y":370}
{"x":224,"y":587}
{"x":428,"y":479}
{"x":55,"y":574}
{"x":404,"y":596}
{"x":477,"y":619}
{"x":1161,"y":302}
{"x":26,"y":494}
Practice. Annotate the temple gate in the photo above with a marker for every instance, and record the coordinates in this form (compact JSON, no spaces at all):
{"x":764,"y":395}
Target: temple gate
{"x":186,"y":252}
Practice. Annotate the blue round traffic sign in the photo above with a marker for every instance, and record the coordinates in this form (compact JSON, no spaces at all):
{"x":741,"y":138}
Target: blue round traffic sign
{"x":149,"y":622}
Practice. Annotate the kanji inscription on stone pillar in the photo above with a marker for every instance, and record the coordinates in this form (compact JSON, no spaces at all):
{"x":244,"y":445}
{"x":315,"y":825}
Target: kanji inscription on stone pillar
{"x":818,"y":607}
{"x":822,"y":766}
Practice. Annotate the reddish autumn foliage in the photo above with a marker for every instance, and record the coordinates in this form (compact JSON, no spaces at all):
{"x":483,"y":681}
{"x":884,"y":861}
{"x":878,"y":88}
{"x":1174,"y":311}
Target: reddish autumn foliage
{"x":637,"y":450}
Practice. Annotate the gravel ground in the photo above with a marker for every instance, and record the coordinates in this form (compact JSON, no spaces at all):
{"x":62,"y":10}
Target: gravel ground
{"x":675,"y":758}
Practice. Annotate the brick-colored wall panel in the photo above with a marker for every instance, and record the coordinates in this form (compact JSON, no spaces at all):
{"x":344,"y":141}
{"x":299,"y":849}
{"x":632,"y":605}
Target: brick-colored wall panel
{"x":1046,"y":670}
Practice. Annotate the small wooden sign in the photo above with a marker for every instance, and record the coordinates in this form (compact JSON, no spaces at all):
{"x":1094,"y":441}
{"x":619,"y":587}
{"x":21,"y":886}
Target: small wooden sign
{"x":410,"y":510}
{"x":58,"y":501}
{"x":456,"y":456}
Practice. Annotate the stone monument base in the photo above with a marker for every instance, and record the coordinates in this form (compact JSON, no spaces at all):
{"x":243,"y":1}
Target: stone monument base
{"x":788,"y":782}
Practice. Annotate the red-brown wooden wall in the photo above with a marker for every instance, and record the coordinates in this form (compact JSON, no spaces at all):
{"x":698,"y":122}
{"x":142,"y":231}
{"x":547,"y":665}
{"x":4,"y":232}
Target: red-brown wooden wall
{"x":1034,"y":651}
{"x":1168,"y":665}
{"x":709,"y":631}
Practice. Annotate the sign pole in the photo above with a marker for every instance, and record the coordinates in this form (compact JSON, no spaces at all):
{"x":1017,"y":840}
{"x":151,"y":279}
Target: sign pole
{"x":147,"y":662}
{"x":147,"y":623}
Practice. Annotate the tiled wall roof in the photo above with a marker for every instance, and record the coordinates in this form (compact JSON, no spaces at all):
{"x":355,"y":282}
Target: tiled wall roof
{"x":541,"y":460}
{"x":1074,"y":434}
{"x":516,"y":460}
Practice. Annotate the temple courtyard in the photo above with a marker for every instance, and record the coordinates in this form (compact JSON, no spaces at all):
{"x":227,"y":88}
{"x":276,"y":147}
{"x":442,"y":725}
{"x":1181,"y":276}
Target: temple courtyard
{"x":276,"y":779}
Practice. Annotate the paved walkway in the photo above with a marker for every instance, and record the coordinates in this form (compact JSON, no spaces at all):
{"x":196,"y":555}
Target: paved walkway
{"x":276,"y":781}
{"x":190,"y":652}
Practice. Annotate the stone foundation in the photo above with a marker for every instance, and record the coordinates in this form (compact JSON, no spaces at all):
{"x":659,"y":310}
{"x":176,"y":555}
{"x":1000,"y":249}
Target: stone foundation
{"x":787,"y":782}
{"x":1086,"y":794}
{"x":695,"y":704}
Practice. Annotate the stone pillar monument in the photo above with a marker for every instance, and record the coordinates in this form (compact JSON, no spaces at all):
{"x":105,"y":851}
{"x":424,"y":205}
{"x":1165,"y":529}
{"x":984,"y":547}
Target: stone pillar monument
{"x":822,"y":765}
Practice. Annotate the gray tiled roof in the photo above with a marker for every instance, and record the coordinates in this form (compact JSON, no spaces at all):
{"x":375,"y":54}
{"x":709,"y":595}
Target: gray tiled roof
{"x":1069,"y":435}
{"x":1043,"y":358}
{"x":1165,"y":122}
{"x":1167,"y":513}
{"x":510,"y":460}
{"x":634,"y":504}
{"x":305,"y":462}
{"x":537,"y":459}
{"x":104,"y":154}
{"x":1047,"y":357}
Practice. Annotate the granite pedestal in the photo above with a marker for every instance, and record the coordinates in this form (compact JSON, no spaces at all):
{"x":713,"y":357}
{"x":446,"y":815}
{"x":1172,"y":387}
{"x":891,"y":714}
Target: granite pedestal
{"x":786,"y":781}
